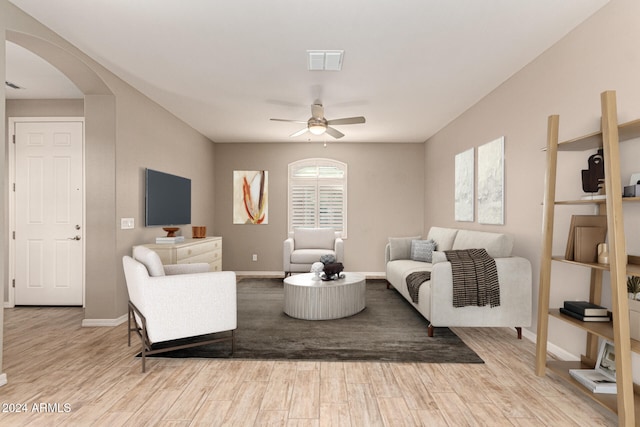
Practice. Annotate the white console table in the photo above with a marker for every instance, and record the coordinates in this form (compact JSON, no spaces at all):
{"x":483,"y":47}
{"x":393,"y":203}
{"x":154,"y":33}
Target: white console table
{"x":208,"y":249}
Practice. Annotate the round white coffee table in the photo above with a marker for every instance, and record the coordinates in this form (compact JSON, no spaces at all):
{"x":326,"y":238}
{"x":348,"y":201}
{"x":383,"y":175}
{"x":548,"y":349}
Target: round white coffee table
{"x":305,"y":298}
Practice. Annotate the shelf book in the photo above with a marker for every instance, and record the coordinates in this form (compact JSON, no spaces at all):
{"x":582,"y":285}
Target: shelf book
{"x":585,"y":318}
{"x":586,"y":311}
{"x":586,"y":244}
{"x":592,"y":230}
{"x":586,"y":308}
{"x":169,"y":240}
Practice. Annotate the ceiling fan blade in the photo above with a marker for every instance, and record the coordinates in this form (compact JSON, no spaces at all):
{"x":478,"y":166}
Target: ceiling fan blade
{"x":298,"y":133}
{"x":287,"y":120}
{"x":334,"y":133}
{"x":317,"y":111}
{"x":346,"y":121}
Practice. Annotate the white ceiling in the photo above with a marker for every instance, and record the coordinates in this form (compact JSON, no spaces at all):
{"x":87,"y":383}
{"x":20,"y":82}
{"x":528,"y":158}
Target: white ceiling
{"x":227,"y":67}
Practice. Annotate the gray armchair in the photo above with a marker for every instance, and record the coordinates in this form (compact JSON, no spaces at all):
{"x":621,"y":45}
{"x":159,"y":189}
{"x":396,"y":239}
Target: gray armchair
{"x":306,"y":245}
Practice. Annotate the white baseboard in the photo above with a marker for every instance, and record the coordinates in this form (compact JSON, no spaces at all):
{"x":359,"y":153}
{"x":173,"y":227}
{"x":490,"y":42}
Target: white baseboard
{"x":3,"y":379}
{"x":7,"y":304}
{"x":280,"y":274}
{"x":374,"y":275}
{"x":91,"y":323}
{"x":556,"y":351}
{"x":260,"y":274}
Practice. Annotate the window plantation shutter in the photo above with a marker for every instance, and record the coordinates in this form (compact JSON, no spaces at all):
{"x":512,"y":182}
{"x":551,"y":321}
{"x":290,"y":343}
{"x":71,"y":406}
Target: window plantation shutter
{"x":318,"y":194}
{"x":303,"y":205}
{"x":331,"y":206}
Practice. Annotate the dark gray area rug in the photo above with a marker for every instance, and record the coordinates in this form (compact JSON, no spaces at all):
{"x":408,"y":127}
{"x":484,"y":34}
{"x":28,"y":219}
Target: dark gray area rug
{"x":388,"y":329}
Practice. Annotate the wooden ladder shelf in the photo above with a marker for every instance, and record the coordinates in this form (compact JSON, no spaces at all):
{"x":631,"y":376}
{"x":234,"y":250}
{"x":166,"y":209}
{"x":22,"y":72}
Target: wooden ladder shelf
{"x":625,"y":402}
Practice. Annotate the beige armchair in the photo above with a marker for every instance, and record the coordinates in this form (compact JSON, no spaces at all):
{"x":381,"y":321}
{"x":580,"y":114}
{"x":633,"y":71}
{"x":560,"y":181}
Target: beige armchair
{"x":167,"y":303}
{"x":304,"y":246}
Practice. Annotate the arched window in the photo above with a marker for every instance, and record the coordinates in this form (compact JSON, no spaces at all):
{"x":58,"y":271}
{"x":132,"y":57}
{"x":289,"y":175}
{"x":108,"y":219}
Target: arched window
{"x":318,"y":194}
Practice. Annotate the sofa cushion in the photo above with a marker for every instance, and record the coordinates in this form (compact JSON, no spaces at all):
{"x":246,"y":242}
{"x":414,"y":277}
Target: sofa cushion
{"x":400,"y":247}
{"x":421,"y":250}
{"x":314,"y":238}
{"x":149,"y":259}
{"x":309,"y":256}
{"x":498,"y":245}
{"x":438,"y":257}
{"x":397,"y":271}
{"x":443,"y":237}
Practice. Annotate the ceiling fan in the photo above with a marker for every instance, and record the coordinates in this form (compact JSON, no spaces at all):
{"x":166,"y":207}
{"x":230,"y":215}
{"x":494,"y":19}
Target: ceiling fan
{"x":318,"y":125}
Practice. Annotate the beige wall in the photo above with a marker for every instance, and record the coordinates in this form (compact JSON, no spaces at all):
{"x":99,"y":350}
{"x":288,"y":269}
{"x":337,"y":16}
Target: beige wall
{"x":567,"y":80}
{"x":149,"y":137}
{"x":45,"y":108}
{"x":385,"y":198}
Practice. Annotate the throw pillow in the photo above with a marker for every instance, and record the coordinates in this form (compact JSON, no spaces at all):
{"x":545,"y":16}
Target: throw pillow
{"x":422,"y":250}
{"x":400,"y":247}
{"x":150,"y":259}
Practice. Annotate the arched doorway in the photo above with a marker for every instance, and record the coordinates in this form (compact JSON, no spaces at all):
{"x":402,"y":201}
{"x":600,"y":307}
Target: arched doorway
{"x":100,"y":137}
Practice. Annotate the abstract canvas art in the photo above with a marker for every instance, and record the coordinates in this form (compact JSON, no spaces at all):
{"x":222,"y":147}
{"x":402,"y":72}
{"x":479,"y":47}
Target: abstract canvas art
{"x":491,"y":182}
{"x":464,"y":171}
{"x":250,"y":197}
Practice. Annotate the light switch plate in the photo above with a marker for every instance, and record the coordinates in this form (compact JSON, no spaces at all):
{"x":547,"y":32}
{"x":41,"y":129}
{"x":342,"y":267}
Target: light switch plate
{"x":126,"y":223}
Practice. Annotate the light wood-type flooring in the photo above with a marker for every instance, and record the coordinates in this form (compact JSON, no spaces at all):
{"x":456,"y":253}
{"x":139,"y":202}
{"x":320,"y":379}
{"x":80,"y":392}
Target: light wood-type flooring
{"x":63,"y":374}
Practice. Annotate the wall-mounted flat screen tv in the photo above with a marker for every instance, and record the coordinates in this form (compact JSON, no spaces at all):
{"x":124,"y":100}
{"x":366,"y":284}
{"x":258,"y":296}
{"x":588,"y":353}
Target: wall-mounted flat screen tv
{"x":167,"y":199}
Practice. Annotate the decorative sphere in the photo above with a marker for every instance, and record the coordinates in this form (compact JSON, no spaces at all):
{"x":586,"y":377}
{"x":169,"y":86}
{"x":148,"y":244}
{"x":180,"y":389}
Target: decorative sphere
{"x":327,"y":259}
{"x":317,"y":267}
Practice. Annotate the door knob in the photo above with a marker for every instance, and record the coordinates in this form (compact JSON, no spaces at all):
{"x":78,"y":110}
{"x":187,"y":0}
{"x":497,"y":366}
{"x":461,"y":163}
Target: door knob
{"x":74,"y":238}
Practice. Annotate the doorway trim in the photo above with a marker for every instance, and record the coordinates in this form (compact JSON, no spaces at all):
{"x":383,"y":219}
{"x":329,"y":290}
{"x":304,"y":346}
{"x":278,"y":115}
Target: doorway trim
{"x":12,"y":199}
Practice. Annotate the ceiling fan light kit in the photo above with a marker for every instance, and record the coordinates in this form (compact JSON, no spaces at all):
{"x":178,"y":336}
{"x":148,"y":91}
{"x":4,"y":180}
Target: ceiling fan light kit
{"x":318,"y":124}
{"x":317,"y":128}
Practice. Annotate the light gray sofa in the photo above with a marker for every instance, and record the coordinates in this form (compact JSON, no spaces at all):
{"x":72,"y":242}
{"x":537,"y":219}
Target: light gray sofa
{"x":435,"y":297}
{"x":304,"y":246}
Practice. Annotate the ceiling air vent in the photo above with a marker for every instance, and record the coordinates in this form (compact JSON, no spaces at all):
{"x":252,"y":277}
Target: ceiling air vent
{"x":325,"y":60}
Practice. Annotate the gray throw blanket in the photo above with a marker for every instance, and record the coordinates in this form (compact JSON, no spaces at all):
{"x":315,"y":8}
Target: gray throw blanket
{"x":475,"y":278}
{"x":414,"y":281}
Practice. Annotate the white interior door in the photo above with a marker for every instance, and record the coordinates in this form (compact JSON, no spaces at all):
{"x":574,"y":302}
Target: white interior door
{"x":49,"y":200}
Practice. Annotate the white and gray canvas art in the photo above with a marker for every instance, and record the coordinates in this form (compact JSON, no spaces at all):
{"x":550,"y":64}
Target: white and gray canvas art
{"x":491,"y":182}
{"x":464,"y":170}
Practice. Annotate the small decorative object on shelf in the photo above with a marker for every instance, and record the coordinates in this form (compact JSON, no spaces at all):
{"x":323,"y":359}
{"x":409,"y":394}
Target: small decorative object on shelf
{"x":171,"y":231}
{"x":199,"y":231}
{"x":633,"y":189}
{"x":602,"y":379}
{"x":327,"y":259}
{"x":633,"y":286}
{"x":317,"y":268}
{"x":603,"y":253}
{"x":332,"y":271}
{"x":593,"y":176}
